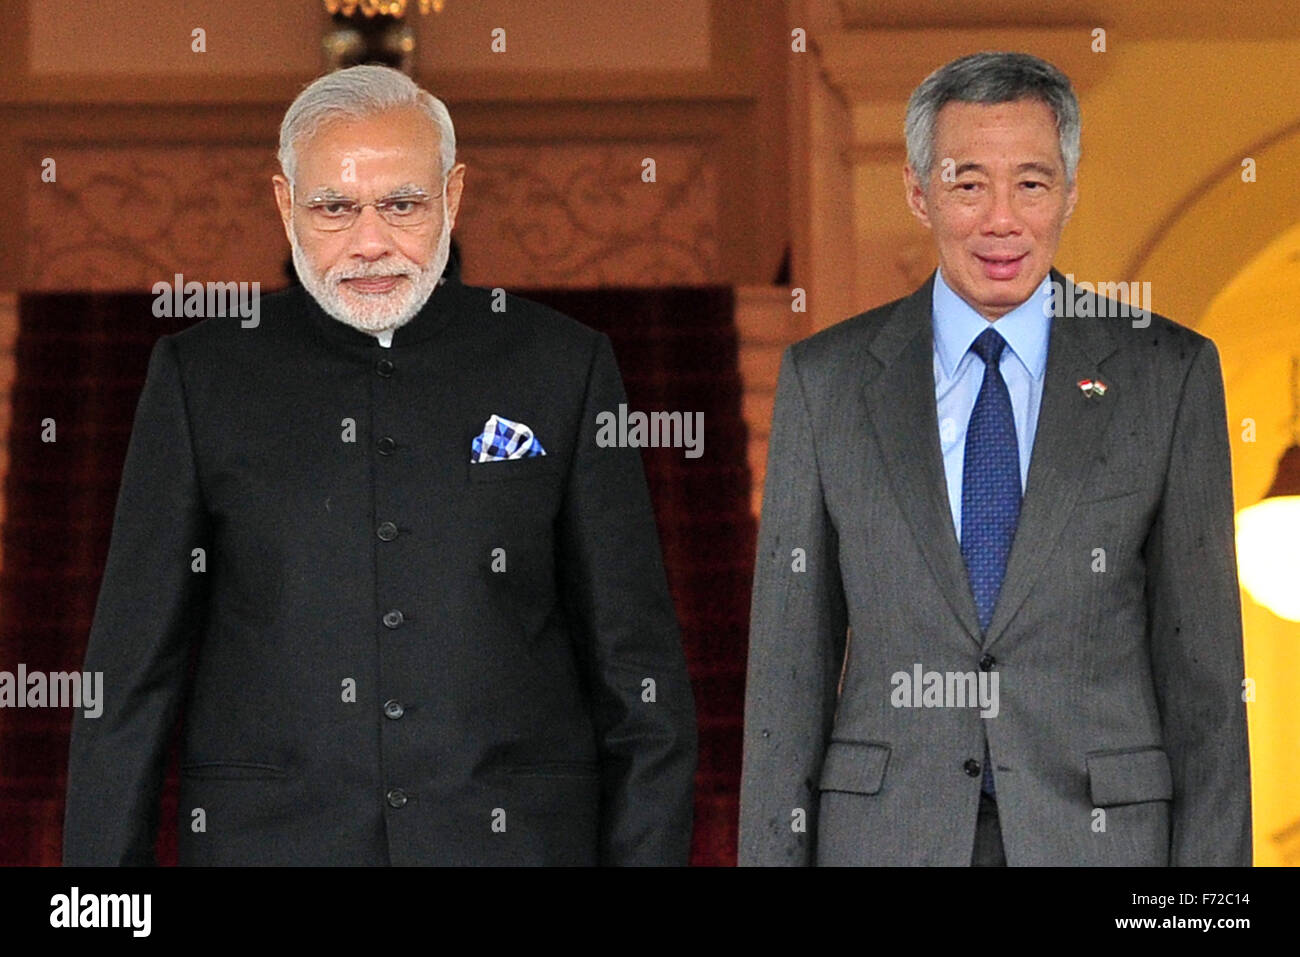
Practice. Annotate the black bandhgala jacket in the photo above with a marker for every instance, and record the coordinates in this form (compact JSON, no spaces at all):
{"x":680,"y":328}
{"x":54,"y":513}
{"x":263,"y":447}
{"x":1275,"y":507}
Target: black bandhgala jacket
{"x":399,"y":657}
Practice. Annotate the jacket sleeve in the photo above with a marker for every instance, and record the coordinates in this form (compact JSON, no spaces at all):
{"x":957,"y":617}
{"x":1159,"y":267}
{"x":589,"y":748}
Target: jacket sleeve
{"x":150,"y":605}
{"x":1194,"y":615}
{"x":616,"y":590}
{"x":798,"y":626}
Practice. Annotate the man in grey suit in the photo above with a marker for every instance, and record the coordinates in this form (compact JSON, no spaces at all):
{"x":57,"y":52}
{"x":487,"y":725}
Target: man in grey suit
{"x":995,"y":614}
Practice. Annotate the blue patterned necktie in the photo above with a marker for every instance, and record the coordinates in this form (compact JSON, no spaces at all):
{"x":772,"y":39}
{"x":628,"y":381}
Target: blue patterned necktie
{"x":990,"y":490}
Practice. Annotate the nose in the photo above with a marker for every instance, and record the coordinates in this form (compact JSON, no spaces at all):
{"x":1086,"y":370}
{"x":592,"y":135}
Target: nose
{"x":1001,"y":218}
{"x":371,"y":236}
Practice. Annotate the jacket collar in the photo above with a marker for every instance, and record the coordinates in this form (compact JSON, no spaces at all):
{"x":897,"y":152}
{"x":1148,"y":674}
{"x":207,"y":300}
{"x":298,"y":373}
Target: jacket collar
{"x":425,"y":324}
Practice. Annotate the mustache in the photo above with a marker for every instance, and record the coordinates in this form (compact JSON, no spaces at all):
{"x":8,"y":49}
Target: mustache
{"x":407,"y":270}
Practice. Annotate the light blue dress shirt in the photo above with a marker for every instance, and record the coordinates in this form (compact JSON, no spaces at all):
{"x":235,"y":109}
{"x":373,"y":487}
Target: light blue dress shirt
{"x":958,"y":373}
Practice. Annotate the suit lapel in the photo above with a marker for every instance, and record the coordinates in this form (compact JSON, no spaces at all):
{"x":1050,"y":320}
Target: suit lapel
{"x":1070,"y":428}
{"x":900,"y":404}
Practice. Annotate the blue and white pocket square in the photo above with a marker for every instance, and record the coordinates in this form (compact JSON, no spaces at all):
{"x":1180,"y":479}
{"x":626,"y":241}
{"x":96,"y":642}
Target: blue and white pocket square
{"x":502,"y":439}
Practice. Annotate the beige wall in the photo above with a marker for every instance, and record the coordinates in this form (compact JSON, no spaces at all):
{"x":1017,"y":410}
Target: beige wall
{"x":130,"y":39}
{"x":1163,"y":121}
{"x":164,"y":154}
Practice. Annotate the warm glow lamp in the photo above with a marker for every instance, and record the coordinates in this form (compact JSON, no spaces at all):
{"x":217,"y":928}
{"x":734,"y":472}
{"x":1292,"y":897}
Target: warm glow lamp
{"x":1268,"y":532}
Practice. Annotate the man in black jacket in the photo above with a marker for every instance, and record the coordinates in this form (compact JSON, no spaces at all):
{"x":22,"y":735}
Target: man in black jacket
{"x":429,"y":614}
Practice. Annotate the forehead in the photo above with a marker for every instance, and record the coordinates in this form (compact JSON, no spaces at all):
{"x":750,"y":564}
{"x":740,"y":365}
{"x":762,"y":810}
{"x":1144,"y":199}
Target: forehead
{"x":971,"y":125}
{"x":401,"y":143}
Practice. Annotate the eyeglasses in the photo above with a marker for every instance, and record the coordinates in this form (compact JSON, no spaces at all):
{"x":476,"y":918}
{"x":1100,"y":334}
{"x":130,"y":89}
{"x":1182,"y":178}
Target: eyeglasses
{"x":335,"y":213}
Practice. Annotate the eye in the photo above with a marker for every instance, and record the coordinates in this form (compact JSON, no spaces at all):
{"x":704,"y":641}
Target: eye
{"x":404,"y":205}
{"x":1034,"y":183}
{"x":334,"y":207}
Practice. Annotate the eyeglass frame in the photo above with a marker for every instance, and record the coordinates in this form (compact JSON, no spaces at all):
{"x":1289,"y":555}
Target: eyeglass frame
{"x":396,"y":195}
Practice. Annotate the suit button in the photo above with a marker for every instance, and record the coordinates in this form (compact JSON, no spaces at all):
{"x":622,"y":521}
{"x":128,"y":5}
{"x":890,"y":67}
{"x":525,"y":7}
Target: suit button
{"x":393,"y":709}
{"x":385,"y":367}
{"x":393,"y":619}
{"x":386,"y":445}
{"x":386,"y":532}
{"x":396,"y":798}
{"x":971,"y":767}
{"x":987,"y":663}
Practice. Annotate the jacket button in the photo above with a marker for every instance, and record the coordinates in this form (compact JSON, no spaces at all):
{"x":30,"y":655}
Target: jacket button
{"x":987,"y":663}
{"x":971,"y":767}
{"x":393,"y":619}
{"x":385,"y":367}
{"x":386,"y":532}
{"x":396,"y":798}
{"x":386,"y":445}
{"x":393,"y":709}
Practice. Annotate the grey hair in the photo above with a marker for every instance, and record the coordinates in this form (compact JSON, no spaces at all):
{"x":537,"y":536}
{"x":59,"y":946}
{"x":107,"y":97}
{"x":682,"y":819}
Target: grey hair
{"x":991,"y":78}
{"x":353,"y":93}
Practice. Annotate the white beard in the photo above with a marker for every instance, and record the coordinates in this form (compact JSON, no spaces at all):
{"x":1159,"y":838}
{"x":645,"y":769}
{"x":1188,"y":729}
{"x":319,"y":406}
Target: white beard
{"x":375,"y":312}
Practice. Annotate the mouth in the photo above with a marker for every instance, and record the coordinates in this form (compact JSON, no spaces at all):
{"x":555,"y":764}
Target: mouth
{"x":372,"y":285}
{"x":1002,"y":266}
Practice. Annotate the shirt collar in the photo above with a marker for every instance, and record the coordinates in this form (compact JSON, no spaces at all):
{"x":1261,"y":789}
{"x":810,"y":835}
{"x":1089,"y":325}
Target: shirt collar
{"x":1025,"y":328}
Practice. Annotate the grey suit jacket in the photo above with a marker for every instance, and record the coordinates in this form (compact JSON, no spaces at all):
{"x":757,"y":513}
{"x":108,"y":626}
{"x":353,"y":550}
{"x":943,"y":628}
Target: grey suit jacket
{"x":1120,"y":736}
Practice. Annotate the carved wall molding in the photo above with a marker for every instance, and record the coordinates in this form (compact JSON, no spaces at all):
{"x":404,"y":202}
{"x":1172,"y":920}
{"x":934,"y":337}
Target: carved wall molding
{"x":123,"y":216}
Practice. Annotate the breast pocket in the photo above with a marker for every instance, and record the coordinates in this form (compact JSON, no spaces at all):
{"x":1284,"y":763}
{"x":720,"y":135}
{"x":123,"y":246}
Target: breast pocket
{"x":1108,"y":495}
{"x":1121,"y":465}
{"x":538,"y":467}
